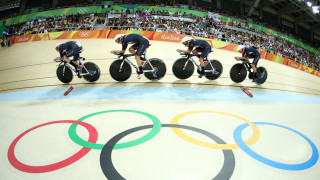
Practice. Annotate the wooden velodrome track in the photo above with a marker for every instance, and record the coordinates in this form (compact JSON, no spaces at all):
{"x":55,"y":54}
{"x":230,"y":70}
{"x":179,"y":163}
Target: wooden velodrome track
{"x":31,"y":95}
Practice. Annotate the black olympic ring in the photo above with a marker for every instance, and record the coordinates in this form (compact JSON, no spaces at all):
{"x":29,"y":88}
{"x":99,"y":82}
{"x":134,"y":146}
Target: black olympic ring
{"x":111,"y":173}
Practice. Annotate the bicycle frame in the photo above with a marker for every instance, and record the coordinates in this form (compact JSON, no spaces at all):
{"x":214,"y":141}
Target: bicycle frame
{"x":246,"y":65}
{"x":189,"y":57}
{"x":125,"y":58}
{"x":73,"y":69}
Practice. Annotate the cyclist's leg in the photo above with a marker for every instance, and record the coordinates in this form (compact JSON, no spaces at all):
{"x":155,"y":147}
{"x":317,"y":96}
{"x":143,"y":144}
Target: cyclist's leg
{"x":4,"y":40}
{"x":139,"y":52}
{"x":133,"y":48}
{"x":75,"y":52}
{"x":204,"y":53}
{"x":200,"y":50}
{"x":255,"y":63}
{"x":195,"y":51}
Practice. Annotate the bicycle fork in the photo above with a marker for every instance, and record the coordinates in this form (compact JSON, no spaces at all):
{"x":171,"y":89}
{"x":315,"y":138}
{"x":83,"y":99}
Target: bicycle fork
{"x":64,"y":68}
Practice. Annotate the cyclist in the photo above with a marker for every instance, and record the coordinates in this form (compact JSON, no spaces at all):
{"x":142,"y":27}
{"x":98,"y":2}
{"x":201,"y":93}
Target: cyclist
{"x":200,"y":46}
{"x":140,"y":44}
{"x":5,"y":36}
{"x":249,"y":52}
{"x":67,"y":50}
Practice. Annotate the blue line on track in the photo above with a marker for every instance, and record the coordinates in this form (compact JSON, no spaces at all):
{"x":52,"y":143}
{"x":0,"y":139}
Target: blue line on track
{"x":170,"y":93}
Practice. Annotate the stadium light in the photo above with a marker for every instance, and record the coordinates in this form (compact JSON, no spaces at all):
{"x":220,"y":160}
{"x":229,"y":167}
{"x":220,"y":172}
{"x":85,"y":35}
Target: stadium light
{"x":315,"y":9}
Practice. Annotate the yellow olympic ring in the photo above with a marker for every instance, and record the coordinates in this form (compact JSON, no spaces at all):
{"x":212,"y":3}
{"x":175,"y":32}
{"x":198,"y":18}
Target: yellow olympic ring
{"x":253,"y":139}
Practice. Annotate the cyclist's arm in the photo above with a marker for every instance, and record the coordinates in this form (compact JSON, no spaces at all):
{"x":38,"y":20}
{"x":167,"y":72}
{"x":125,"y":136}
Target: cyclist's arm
{"x":184,"y":51}
{"x":117,"y":52}
{"x":242,"y":58}
{"x":57,"y":59}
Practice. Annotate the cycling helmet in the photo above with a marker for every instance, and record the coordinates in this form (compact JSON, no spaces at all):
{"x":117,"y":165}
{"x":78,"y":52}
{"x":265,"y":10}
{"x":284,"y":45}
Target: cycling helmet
{"x":186,"y":40}
{"x":57,"y":46}
{"x":119,"y":38}
{"x":240,"y":48}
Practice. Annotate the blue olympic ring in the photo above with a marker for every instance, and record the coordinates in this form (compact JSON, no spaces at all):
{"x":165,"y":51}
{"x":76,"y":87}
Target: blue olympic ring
{"x":293,"y":167}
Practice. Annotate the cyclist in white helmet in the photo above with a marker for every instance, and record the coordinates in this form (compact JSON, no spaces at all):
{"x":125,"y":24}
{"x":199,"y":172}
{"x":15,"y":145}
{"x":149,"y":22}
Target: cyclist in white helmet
{"x":249,"y":52}
{"x":140,"y":44}
{"x":200,"y":46}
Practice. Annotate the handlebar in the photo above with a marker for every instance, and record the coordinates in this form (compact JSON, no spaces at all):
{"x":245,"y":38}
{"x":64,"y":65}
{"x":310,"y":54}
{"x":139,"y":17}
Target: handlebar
{"x":64,"y":61}
{"x":189,"y":55}
{"x":124,"y":55}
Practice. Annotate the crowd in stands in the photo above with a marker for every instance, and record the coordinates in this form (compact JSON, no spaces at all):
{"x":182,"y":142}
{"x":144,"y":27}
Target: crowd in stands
{"x":180,"y":23}
{"x":51,"y":24}
{"x":152,"y":20}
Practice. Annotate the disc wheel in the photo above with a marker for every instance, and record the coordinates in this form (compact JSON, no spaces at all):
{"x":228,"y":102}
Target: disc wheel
{"x":158,"y":65}
{"x":179,"y":71}
{"x":117,"y":74}
{"x":217,"y":66}
{"x":262,"y":75}
{"x":64,"y":74}
{"x":238,"y":73}
{"x":9,"y":43}
{"x":93,"y":70}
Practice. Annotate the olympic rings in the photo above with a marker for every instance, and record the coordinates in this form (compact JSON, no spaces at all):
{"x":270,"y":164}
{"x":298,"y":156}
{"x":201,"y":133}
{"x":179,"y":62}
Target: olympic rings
{"x":83,"y":10}
{"x":154,"y":131}
{"x":93,"y":136}
{"x":254,"y":138}
{"x":105,"y":157}
{"x":84,"y":34}
{"x":293,"y":167}
{"x":111,"y":173}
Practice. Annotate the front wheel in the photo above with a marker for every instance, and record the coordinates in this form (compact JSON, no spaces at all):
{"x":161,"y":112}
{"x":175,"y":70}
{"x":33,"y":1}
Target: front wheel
{"x":93,"y":70}
{"x":183,"y":68}
{"x":217,"y":67}
{"x":238,"y":73}
{"x":159,"y":69}
{"x":262,"y":75}
{"x":64,"y":74}
{"x":120,"y":70}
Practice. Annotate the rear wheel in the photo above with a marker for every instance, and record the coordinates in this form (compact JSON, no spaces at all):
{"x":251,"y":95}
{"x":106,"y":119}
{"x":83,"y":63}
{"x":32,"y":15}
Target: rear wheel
{"x":93,"y":70}
{"x":64,"y":74}
{"x":9,"y":43}
{"x":218,"y":68}
{"x":120,"y":70}
{"x":182,"y":68}
{"x":262,"y":75}
{"x":158,"y":65}
{"x":238,"y":73}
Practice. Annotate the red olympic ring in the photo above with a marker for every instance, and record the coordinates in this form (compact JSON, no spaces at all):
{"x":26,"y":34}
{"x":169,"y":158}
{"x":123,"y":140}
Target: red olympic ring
{"x":93,"y":136}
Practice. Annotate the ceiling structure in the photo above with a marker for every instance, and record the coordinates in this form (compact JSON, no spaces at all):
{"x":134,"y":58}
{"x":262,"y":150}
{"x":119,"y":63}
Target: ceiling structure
{"x":296,"y":9}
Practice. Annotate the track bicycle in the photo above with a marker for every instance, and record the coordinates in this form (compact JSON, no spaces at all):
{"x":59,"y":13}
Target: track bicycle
{"x":89,"y":71}
{"x":238,"y":73}
{"x":120,"y":69}
{"x":183,"y":68}
{"x":6,"y":42}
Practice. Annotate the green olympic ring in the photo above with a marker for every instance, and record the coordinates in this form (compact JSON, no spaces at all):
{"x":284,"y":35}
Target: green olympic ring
{"x":154,"y":131}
